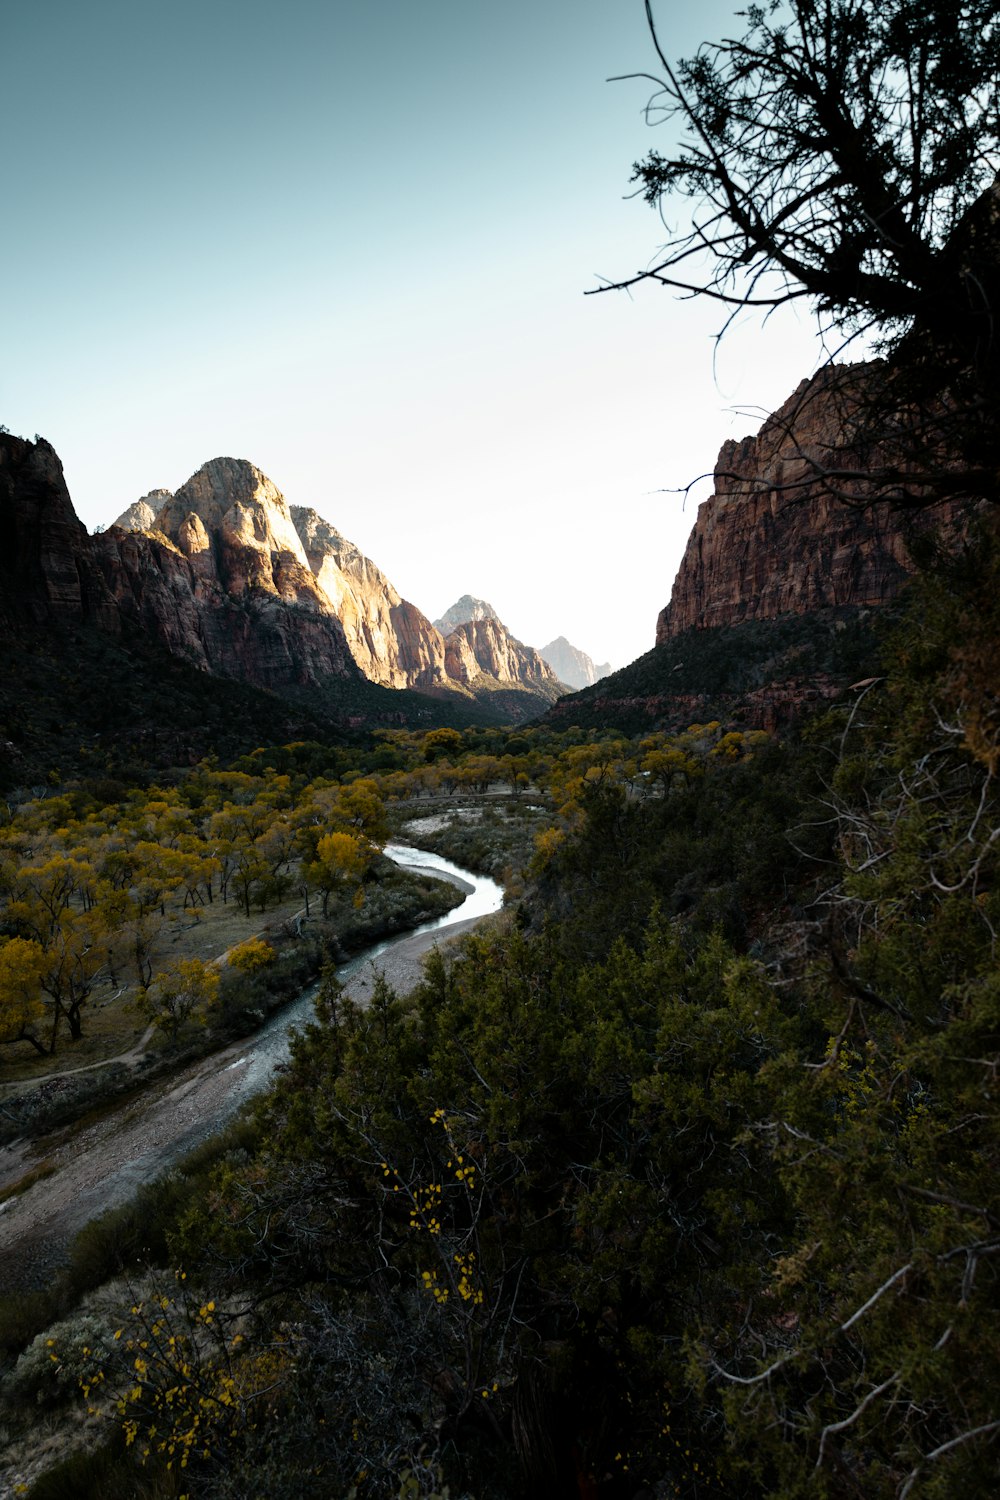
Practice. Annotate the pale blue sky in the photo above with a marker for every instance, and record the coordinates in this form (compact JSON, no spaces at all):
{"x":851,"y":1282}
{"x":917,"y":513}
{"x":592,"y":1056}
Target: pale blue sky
{"x":349,"y":241}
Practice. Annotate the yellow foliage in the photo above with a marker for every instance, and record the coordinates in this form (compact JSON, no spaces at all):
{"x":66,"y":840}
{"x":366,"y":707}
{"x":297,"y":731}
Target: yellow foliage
{"x":252,"y":956}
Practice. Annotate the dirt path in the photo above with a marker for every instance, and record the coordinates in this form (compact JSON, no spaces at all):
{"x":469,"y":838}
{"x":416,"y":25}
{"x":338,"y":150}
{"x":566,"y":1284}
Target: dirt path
{"x":100,"y":1165}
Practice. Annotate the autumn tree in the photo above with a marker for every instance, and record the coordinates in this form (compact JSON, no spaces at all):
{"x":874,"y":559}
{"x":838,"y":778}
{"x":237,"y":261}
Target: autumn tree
{"x":341,"y":863}
{"x":182,"y":992}
{"x":22,"y":967}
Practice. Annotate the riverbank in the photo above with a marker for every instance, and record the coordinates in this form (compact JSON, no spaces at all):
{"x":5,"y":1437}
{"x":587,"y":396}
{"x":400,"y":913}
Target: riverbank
{"x":404,"y":897}
{"x":95,"y":1164}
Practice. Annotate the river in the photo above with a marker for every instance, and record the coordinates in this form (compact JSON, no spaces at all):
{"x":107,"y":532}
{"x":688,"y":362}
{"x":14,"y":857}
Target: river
{"x":398,"y":957}
{"x":99,"y":1165}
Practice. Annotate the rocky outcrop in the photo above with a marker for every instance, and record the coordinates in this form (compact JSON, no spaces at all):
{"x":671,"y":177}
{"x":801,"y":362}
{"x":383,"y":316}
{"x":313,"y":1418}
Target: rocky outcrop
{"x":141,"y":514}
{"x":390,"y":639}
{"x":791,"y":527}
{"x":48,"y":571}
{"x":463,"y":611}
{"x":572,"y":666}
{"x":485,"y":648}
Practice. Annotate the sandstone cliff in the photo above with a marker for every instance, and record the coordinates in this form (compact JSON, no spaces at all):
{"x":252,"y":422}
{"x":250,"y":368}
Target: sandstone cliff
{"x":789,"y":529}
{"x":48,"y":571}
{"x":391,"y":641}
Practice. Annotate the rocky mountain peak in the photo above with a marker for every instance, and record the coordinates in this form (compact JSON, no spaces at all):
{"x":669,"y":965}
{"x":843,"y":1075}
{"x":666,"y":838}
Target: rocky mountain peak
{"x":142,"y":513}
{"x":232,"y":499}
{"x":464,"y":612}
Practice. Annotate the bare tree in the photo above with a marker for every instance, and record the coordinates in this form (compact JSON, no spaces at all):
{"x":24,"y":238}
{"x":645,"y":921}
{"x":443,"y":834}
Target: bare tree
{"x":844,"y":155}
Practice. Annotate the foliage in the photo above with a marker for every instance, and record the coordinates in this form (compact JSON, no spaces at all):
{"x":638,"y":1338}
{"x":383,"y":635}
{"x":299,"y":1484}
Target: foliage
{"x":832,"y":152}
{"x":22,"y":967}
{"x":709,"y":673}
{"x":681,"y":1175}
{"x":183,"y":992}
{"x":252,"y":956}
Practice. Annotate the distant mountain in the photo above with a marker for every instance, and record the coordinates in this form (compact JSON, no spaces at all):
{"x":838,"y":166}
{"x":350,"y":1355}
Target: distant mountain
{"x":572,"y":666}
{"x":485,"y":649}
{"x":480,"y":650}
{"x":463,"y":611}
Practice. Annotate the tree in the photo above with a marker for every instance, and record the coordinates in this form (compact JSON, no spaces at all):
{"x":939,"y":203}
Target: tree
{"x":342,"y":861}
{"x":22,"y":968}
{"x":185,"y":991}
{"x":843,"y":154}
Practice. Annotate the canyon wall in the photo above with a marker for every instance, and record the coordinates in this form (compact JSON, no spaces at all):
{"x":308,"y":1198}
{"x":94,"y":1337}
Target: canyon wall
{"x":791,"y":528}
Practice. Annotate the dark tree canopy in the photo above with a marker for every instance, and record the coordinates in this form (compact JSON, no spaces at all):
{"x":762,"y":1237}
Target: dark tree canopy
{"x":832,"y":154}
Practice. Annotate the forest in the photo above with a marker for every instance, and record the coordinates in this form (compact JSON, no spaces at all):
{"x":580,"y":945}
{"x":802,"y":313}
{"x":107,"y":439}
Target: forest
{"x":679,"y":1174}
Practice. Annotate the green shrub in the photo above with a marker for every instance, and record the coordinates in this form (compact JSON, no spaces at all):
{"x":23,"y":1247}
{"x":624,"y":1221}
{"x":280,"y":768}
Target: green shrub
{"x":59,"y":1362}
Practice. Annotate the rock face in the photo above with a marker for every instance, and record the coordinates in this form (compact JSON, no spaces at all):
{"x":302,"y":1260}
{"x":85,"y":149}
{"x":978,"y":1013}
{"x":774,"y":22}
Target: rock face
{"x":48,"y":570}
{"x":391,"y":641}
{"x":462,"y":611}
{"x":141,"y":514}
{"x":572,"y":666}
{"x":485,"y":648}
{"x":773,"y":540}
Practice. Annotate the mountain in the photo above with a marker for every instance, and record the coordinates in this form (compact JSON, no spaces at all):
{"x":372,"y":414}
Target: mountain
{"x":789,"y":529}
{"x":481,"y":653}
{"x":572,"y":666}
{"x":230,"y":575}
{"x":463,"y":611}
{"x":485,"y":648}
{"x":141,"y":514}
{"x":223,"y":581}
{"x":84,"y":689}
{"x":787,"y":580}
{"x":244,"y":542}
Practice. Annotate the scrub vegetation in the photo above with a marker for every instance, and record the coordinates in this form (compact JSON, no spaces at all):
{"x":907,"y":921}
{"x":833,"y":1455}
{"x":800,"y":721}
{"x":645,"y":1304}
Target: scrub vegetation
{"x":681,"y":1174}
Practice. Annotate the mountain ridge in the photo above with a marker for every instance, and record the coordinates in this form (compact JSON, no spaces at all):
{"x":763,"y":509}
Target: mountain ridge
{"x":243,"y":542}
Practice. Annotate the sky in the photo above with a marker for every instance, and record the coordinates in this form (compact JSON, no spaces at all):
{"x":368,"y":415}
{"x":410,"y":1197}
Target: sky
{"x":350,"y":241}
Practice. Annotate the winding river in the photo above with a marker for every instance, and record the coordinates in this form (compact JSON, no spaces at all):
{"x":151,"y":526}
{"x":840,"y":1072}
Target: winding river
{"x":398,"y":957}
{"x":98,"y":1165}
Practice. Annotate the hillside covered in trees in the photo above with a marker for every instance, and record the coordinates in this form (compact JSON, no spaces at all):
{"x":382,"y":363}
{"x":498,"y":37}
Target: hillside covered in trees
{"x":682,"y":1174}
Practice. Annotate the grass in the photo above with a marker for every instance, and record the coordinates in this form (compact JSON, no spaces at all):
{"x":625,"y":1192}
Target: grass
{"x":34,"y":1174}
